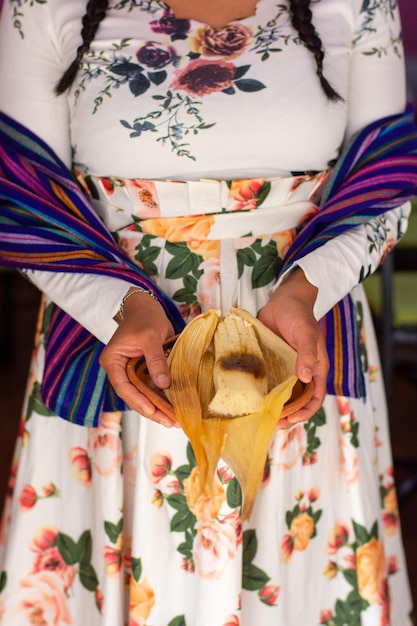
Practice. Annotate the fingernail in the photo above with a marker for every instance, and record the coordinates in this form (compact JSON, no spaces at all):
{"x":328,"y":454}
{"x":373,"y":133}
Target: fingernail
{"x":162,"y":381}
{"x":306,"y":374}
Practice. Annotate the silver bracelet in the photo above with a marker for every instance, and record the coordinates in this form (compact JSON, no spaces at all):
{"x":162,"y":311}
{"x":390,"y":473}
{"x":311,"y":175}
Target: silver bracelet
{"x":130,"y":293}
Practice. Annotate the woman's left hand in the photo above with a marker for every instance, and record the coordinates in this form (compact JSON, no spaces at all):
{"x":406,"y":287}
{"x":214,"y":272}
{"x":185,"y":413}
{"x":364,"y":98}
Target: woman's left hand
{"x":289,"y":314}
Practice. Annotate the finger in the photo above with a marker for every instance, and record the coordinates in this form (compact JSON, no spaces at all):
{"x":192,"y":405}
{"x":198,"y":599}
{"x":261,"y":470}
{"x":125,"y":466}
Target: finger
{"x":133,"y":398}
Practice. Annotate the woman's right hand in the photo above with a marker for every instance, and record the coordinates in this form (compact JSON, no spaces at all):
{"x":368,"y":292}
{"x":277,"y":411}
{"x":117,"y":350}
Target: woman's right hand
{"x":142,"y":332}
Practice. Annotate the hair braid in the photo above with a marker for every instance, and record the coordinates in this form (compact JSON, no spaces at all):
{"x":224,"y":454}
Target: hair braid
{"x":94,"y":13}
{"x":301,"y":18}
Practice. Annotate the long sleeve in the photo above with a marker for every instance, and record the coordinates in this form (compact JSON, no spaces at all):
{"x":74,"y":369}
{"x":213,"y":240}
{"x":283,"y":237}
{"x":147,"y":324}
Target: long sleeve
{"x":376,"y":90}
{"x":28,"y":95}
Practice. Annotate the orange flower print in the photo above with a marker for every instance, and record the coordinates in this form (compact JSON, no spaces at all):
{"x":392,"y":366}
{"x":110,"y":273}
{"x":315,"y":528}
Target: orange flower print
{"x":161,"y":464}
{"x":269,"y":594}
{"x":81,"y":466}
{"x":203,"y":506}
{"x":229,"y":41}
{"x":175,"y":229}
{"x":301,"y":530}
{"x":141,"y":602}
{"x":338,"y":537}
{"x":28,"y":498}
{"x":214,"y":547}
{"x":284,"y":240}
{"x":39,"y":599}
{"x":245,"y":194}
{"x":370,"y":567}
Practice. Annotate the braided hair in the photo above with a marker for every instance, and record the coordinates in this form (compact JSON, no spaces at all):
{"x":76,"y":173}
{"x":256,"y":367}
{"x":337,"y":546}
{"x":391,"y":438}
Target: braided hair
{"x":94,"y":13}
{"x":301,"y":18}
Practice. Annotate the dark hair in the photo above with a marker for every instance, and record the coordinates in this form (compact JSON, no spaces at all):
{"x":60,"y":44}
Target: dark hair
{"x":94,"y":13}
{"x":301,"y":18}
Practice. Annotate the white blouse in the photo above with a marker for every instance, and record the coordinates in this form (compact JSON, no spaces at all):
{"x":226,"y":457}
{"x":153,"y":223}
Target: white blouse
{"x":138,"y":110}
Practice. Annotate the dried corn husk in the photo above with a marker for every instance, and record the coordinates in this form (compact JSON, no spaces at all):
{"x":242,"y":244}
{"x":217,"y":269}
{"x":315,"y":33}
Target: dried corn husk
{"x":230,"y":378}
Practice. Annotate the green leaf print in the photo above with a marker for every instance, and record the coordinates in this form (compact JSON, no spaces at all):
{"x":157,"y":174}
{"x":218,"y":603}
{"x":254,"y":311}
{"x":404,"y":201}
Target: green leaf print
{"x":361,"y":534}
{"x":178,"y":621}
{"x":177,"y":501}
{"x":253,"y":578}
{"x":250,"y":546}
{"x":35,"y":404}
{"x":85,"y":547}
{"x":351,"y":577}
{"x":146,"y":256}
{"x":266,"y":267}
{"x":182,"y":521}
{"x":113,"y":530}
{"x":67,"y":548}
{"x":3,"y":580}
{"x":191,"y":455}
{"x":183,"y":472}
{"x":184,"y":261}
{"x":245,"y":257}
{"x":88,"y":576}
{"x":136,"y":568}
{"x":234,"y":494}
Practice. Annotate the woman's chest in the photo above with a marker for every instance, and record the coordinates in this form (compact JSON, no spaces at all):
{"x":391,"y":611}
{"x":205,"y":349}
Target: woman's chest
{"x":176,"y":97}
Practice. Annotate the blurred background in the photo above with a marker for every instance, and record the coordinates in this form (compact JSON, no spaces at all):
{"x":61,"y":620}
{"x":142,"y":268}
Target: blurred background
{"x":393,"y":297}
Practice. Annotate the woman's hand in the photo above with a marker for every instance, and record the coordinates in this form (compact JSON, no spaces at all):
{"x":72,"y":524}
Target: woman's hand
{"x":289,"y":314}
{"x":142,"y":332}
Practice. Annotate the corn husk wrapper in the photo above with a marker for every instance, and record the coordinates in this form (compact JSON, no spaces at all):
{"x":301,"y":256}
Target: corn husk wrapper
{"x":241,"y":440}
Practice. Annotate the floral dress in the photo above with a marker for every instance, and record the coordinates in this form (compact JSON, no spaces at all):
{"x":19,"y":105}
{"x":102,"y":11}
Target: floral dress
{"x":202,"y":150}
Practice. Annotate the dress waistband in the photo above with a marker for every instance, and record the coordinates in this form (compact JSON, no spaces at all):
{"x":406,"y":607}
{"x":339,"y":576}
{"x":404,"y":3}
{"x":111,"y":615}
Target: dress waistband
{"x":282,"y":200}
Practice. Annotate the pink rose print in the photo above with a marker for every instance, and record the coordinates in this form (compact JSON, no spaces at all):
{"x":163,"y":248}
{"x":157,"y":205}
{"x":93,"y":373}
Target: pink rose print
{"x":245,"y":194}
{"x":229,"y":41}
{"x":112,"y":561}
{"x":330,"y":570}
{"x":106,"y":450}
{"x":144,"y":198}
{"x":325,"y":616}
{"x":349,"y":461}
{"x":286,"y":548}
{"x":39,"y":599}
{"x":201,"y":78}
{"x":232,"y":620}
{"x":99,"y":599}
{"x":214,"y":547}
{"x":28,"y":498}
{"x":208,"y":292}
{"x":338,"y":537}
{"x":269,"y":594}
{"x":161,"y":464}
{"x":157,"y":499}
{"x":80,"y":466}
{"x":291,"y":444}
{"x":47,"y":556}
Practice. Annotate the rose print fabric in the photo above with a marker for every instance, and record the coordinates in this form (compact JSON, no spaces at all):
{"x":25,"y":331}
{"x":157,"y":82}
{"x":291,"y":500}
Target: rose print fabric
{"x":199,"y":154}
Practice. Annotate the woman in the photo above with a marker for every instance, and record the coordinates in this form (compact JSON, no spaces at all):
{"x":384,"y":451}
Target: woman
{"x":202,"y":136}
